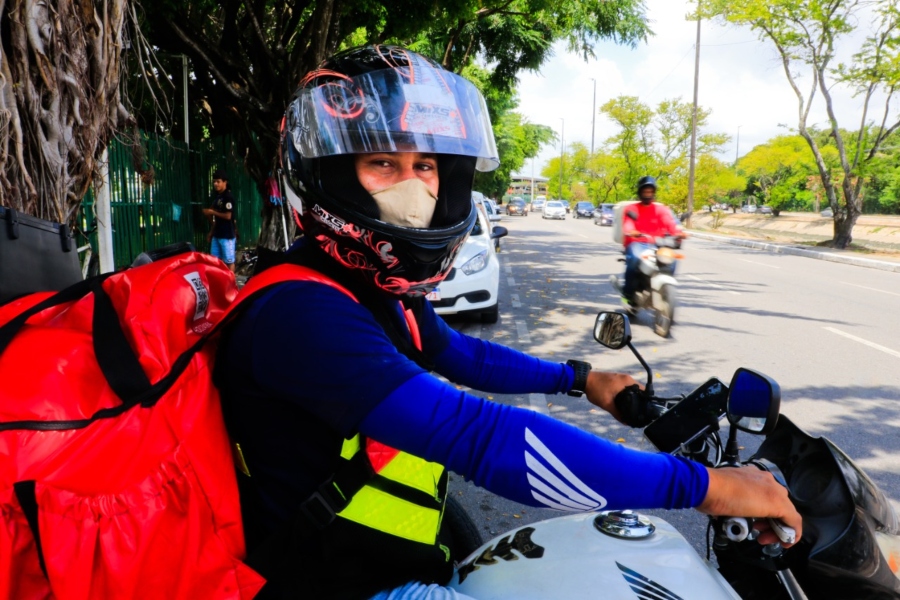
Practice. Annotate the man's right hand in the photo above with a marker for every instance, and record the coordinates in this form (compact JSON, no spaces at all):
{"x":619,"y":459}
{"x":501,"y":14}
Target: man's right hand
{"x":750,"y":492}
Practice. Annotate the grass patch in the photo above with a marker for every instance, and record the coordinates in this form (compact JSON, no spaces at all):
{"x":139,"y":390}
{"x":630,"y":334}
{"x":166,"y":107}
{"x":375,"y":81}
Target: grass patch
{"x":876,"y":230}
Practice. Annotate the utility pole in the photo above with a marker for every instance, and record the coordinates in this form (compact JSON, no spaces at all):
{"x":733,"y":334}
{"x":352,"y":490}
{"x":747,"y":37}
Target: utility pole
{"x":593,"y":115}
{"x":690,"y":198}
{"x":562,"y":149}
{"x":737,"y":148}
{"x":184,"y":78}
{"x":532,"y":181}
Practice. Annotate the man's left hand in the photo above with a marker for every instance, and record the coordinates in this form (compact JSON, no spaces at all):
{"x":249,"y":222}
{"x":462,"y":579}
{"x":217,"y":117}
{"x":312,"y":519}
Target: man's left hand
{"x":602,"y":388}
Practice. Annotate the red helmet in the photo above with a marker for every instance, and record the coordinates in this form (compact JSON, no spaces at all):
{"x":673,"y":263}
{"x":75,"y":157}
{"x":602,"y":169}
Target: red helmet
{"x":384,"y":99}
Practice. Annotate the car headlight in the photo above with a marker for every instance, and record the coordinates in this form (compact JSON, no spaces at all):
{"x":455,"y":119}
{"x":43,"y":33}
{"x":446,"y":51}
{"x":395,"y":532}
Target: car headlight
{"x":476,"y":263}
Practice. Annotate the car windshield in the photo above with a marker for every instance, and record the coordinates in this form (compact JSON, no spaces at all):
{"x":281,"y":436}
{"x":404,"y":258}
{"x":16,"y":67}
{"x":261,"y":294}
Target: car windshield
{"x":555,"y":204}
{"x":516,"y":203}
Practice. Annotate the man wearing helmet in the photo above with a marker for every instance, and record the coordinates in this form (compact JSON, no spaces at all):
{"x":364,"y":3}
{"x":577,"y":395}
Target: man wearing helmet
{"x":641,"y":223}
{"x":327,"y":383}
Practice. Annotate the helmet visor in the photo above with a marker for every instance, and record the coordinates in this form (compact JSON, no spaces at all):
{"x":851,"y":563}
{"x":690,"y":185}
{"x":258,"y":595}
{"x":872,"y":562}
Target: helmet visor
{"x":416,"y":108}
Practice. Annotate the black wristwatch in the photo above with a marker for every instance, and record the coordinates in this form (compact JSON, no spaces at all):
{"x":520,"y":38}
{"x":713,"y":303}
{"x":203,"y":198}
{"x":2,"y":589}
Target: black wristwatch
{"x":581,"y":374}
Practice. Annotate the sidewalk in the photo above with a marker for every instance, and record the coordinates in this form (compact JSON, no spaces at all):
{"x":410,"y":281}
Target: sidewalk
{"x":885,"y":262}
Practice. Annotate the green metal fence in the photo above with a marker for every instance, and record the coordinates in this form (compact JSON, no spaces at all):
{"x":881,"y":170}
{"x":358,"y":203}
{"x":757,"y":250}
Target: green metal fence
{"x":170,"y":208}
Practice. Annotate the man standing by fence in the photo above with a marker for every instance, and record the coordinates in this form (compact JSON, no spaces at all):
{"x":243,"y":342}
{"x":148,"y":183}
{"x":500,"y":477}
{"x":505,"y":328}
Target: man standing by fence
{"x":223,"y":235}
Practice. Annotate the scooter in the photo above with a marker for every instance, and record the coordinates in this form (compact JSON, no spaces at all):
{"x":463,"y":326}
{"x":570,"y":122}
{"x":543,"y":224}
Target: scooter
{"x":656,"y":285}
{"x":850,"y":549}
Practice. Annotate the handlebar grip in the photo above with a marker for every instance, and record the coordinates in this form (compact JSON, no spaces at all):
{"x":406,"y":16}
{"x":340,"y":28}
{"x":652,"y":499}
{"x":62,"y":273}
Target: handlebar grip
{"x":786,"y":534}
{"x":635,"y":408}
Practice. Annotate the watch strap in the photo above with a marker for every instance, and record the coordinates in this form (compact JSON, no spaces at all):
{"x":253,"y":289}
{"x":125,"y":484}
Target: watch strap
{"x":582,"y":369}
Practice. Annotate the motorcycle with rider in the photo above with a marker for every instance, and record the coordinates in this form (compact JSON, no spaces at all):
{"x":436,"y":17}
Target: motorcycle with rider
{"x":651,"y":238}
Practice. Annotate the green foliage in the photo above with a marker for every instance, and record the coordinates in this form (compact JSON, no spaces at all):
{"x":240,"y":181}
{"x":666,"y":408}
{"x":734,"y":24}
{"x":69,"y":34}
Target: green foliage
{"x":650,"y":141}
{"x":246,"y":58}
{"x":806,"y":34}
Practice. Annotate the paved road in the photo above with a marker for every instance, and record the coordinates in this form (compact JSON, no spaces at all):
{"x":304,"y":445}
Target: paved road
{"x":827,"y":332}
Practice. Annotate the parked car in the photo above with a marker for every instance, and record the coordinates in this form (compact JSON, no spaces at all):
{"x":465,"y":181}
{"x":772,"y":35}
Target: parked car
{"x":473,"y":285}
{"x":494,"y":210}
{"x":765,"y":210}
{"x":486,"y":206}
{"x":827,"y":213}
{"x":537,"y":205}
{"x":584,"y":209}
{"x":748,"y":208}
{"x":517,"y":207}
{"x":554,"y":209}
{"x":603,"y":215}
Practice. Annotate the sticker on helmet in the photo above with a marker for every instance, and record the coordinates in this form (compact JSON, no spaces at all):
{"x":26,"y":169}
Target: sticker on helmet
{"x":430,"y":105}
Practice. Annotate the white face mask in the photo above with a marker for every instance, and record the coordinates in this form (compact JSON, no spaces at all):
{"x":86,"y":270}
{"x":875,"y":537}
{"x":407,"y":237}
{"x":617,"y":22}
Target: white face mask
{"x":407,"y":204}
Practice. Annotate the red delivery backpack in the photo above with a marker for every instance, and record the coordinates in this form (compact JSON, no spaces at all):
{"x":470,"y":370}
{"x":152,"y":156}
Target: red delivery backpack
{"x":116,"y":473}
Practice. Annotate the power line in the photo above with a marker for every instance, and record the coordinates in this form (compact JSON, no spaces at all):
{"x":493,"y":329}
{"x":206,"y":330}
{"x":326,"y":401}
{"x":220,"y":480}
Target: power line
{"x":678,"y":64}
{"x":728,"y":43}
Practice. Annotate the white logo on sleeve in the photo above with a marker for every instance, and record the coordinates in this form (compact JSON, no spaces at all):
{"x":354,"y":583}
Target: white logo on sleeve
{"x":553,"y":484}
{"x":228,"y":206}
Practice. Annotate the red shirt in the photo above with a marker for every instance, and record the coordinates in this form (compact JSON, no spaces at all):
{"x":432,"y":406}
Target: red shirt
{"x":654,"y":220}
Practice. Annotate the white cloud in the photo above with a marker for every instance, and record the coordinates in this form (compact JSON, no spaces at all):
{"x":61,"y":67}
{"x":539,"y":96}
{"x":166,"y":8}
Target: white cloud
{"x":741,"y":79}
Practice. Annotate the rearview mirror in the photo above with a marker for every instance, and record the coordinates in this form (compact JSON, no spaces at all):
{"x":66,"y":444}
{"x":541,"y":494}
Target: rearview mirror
{"x":612,"y":330}
{"x":754,"y":402}
{"x":498,"y":232}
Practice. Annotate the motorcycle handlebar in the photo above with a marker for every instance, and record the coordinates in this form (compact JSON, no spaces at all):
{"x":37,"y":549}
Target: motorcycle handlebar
{"x":637,"y":409}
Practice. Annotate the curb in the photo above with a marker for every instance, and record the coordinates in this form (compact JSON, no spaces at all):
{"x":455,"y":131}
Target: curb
{"x":881,"y":265}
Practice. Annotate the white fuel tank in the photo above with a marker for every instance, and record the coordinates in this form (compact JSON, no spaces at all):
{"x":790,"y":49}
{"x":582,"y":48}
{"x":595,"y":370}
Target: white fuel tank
{"x":570,"y":558}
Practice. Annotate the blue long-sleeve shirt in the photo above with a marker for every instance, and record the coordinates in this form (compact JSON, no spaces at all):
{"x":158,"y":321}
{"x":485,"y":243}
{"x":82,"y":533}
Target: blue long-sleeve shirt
{"x":306,"y":366}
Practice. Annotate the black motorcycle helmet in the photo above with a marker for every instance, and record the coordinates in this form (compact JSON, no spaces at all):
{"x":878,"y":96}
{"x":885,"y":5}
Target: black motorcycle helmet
{"x":646,"y":181}
{"x":384,"y":99}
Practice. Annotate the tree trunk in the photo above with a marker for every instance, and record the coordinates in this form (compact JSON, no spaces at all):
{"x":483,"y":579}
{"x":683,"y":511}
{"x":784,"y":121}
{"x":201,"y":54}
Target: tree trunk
{"x":277,"y":219}
{"x":59,"y":100}
{"x":843,"y":229}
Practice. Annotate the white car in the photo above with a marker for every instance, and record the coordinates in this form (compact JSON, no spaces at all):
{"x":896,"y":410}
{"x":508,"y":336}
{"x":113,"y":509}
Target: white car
{"x":487,"y":204}
{"x":554,"y":210}
{"x":473,"y":286}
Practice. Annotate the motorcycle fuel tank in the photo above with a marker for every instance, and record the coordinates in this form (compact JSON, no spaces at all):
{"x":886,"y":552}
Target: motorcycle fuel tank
{"x":570,"y":557}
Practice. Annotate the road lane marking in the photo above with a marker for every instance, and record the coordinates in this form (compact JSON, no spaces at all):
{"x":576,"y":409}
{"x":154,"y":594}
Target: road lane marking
{"x":753,"y":262}
{"x":511,"y":281}
{"x":582,"y":235}
{"x":516,"y":303}
{"x":508,"y":269}
{"x":522,"y":331}
{"x":538,"y":403}
{"x":871,"y":288}
{"x":714,"y":285}
{"x":864,"y":342}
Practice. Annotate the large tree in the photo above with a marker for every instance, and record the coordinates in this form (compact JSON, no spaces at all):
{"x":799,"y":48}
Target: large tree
{"x":806,"y":35}
{"x":59,"y":99}
{"x":247,"y":56}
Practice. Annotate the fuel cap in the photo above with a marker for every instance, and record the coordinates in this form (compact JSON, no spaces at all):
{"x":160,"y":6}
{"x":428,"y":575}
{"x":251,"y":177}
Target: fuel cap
{"x":625,"y":524}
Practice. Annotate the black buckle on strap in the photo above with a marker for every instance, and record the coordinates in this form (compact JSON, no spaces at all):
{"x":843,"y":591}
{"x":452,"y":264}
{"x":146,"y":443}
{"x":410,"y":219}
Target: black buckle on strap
{"x":319,"y":510}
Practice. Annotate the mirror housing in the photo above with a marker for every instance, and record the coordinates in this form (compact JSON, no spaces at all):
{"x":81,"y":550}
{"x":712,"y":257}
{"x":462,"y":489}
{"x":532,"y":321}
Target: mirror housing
{"x":612,"y":329}
{"x":754,"y":402}
{"x":498,"y":232}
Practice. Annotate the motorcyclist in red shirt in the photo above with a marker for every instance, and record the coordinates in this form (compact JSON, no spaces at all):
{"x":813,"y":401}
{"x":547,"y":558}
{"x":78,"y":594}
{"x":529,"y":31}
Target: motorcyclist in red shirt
{"x":642,"y":223}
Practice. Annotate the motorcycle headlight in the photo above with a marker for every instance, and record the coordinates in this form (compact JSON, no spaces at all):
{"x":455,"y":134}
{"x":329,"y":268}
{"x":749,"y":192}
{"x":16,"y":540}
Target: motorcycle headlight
{"x":890,"y":547}
{"x":476,"y":263}
{"x":665,"y":256}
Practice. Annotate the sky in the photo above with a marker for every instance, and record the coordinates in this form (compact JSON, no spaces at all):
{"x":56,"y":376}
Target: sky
{"x":741,"y":79}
